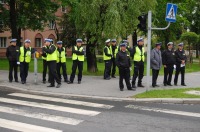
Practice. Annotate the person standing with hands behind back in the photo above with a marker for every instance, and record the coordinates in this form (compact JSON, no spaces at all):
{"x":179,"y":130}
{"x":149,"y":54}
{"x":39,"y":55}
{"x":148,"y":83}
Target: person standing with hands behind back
{"x":11,"y":54}
{"x":123,"y":62}
{"x":156,"y":63}
{"x":78,"y":59}
{"x":180,"y":64}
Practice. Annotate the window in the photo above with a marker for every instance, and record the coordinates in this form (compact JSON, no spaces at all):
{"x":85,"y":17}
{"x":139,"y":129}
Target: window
{"x":2,"y":1}
{"x":38,"y":42}
{"x":63,"y":9}
{"x":3,"y":42}
{"x":51,"y":25}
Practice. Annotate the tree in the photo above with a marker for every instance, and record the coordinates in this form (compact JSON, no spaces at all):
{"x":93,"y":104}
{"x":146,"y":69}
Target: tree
{"x":27,"y":14}
{"x":191,"y":38}
{"x":98,"y":20}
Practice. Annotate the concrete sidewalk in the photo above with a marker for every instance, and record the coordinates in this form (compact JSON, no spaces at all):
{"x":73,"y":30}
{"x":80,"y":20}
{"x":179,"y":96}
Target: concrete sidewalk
{"x":92,"y":86}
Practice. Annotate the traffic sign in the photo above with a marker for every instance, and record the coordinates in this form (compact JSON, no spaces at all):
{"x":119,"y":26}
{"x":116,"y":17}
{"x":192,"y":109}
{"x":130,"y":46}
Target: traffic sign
{"x":171,"y":12}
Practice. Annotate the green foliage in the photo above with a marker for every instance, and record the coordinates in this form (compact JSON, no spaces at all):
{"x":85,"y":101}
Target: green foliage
{"x":190,"y":37}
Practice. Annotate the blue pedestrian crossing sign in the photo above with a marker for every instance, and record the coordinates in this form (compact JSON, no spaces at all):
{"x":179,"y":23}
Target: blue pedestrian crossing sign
{"x":171,"y":12}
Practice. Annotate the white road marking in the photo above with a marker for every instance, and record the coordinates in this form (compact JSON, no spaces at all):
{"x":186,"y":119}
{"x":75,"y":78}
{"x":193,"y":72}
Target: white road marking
{"x":175,"y":112}
{"x":49,"y":106}
{"x":96,"y":105}
{"x":41,"y":116}
{"x":24,"y":127}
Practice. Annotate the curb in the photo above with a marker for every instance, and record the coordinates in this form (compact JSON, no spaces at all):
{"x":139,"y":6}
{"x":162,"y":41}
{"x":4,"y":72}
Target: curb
{"x":142,"y":100}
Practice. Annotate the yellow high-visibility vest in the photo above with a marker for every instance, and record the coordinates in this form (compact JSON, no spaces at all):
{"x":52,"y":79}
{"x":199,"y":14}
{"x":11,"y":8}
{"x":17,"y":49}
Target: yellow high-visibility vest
{"x":79,"y":57}
{"x":61,"y":56}
{"x":138,"y":56}
{"x":109,"y":52}
{"x":116,"y":51}
{"x":53,"y":56}
{"x":27,"y":57}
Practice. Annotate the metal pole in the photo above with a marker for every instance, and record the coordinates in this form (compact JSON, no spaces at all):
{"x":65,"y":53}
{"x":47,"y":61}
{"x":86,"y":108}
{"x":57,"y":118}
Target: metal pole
{"x":149,"y":49}
{"x":35,"y":68}
{"x":162,"y":28}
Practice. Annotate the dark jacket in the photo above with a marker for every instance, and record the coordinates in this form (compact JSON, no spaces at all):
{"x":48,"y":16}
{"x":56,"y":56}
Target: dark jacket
{"x":123,"y":60}
{"x":180,"y":55}
{"x":168,"y":57}
{"x":156,"y":59}
{"x":12,"y":52}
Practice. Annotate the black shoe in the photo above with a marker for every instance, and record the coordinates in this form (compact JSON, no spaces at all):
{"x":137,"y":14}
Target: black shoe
{"x":79,"y":82}
{"x":140,"y":85}
{"x":113,"y":76}
{"x":66,"y":81}
{"x":44,"y":82}
{"x":121,"y":89}
{"x":169,"y":84}
{"x":165,"y":84}
{"x":183,"y":85}
{"x":58,"y":85}
{"x":107,"y":78}
{"x":130,"y":89}
{"x":133,"y":86}
{"x":175,"y":84}
{"x":153,"y":86}
{"x":23,"y":82}
{"x":51,"y":85}
{"x":69,"y":82}
{"x":16,"y":81}
{"x":10,"y":81}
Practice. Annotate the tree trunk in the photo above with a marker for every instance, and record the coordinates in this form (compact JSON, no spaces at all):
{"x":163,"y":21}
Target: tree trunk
{"x":13,"y":21}
{"x":19,"y":37}
{"x":91,"y":58}
{"x":197,"y":50}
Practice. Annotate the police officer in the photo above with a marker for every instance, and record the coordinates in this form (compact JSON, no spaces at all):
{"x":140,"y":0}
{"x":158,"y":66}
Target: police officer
{"x":51,"y":51}
{"x":123,"y":62}
{"x":128,"y":48}
{"x":61,"y":61}
{"x":180,"y":64}
{"x":168,"y":60}
{"x":11,"y":54}
{"x":44,"y":58}
{"x":107,"y":55}
{"x":138,"y":58}
{"x":114,"y":52}
{"x":24,"y":59}
{"x":78,"y":59}
{"x":156,"y":63}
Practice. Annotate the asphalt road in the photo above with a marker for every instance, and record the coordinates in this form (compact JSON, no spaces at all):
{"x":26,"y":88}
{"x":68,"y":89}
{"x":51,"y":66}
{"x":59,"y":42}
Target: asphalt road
{"x":34,"y":113}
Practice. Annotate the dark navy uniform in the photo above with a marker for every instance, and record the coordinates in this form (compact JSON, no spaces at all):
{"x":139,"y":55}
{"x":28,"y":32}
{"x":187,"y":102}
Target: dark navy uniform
{"x":11,"y":54}
{"x":168,"y":59}
{"x":180,"y":56}
{"x":123,"y":62}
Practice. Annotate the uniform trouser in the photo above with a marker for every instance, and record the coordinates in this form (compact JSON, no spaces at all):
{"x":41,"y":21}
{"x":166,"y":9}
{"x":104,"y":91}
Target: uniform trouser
{"x":52,"y":73}
{"x":13,"y":66}
{"x":24,"y":71}
{"x":44,"y":69}
{"x":168,"y":71}
{"x":154,"y":76}
{"x":113,"y":66}
{"x":178,"y":70}
{"x":64,"y":70}
{"x":76,"y":64}
{"x":138,"y":72}
{"x":124,"y":73}
{"x":107,"y":69}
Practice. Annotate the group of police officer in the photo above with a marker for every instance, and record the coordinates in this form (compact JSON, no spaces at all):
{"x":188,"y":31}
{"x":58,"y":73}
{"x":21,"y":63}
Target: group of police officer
{"x":54,"y":57}
{"x":121,"y":57}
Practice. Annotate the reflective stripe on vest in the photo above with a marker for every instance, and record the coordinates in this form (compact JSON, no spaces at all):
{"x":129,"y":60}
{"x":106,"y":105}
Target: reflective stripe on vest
{"x":27,"y":57}
{"x":109,"y":52}
{"x":116,"y":51}
{"x":61,"y":56}
{"x":138,"y":54}
{"x":79,"y":57}
{"x":53,"y":56}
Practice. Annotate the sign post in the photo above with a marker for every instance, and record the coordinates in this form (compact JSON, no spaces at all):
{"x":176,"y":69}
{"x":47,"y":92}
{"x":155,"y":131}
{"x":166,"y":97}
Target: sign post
{"x":171,"y":12}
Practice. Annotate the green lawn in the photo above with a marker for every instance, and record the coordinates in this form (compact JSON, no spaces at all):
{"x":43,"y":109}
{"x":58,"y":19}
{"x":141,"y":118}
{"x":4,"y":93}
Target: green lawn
{"x":168,"y":93}
{"x":4,"y":66}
